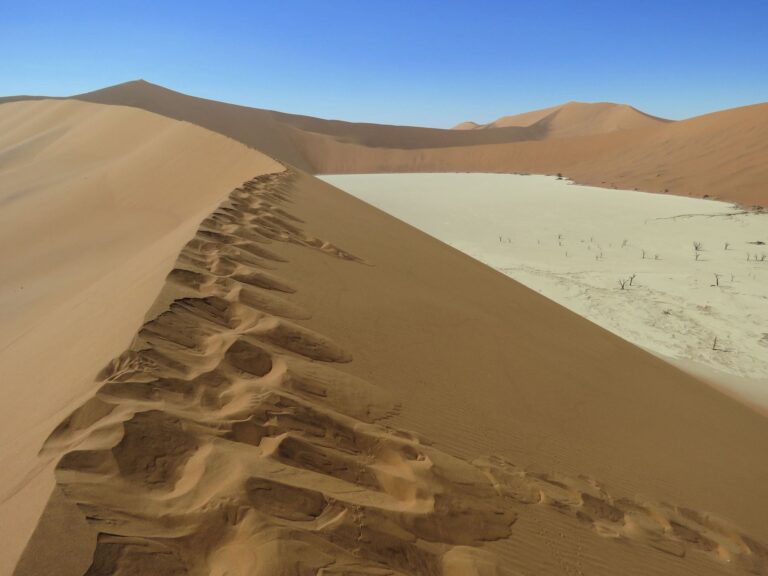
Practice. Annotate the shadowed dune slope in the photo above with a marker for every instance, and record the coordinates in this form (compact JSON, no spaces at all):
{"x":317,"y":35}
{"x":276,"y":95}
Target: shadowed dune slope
{"x":95,"y":204}
{"x":322,"y":389}
{"x":724,"y":154}
{"x":575,"y":119}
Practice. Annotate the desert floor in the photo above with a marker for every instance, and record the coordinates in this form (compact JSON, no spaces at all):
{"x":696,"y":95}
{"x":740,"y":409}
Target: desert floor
{"x":694,"y":272}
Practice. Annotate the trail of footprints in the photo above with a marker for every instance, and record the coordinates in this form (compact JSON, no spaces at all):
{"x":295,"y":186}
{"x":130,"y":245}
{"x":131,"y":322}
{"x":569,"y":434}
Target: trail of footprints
{"x":224,"y":442}
{"x":670,"y":529}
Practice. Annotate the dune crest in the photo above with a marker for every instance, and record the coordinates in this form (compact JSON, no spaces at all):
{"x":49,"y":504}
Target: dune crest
{"x":224,"y":441}
{"x":574,"y":119}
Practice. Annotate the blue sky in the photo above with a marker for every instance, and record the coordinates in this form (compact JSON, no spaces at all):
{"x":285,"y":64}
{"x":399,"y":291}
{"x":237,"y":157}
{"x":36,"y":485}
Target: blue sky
{"x":422,"y":62}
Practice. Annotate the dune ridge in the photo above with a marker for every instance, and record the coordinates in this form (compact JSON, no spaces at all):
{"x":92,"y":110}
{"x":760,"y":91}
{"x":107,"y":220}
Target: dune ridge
{"x":227,"y":439}
{"x":318,"y":380}
{"x":574,"y":119}
{"x":282,"y":135}
{"x":216,"y":445}
{"x":722,"y":154}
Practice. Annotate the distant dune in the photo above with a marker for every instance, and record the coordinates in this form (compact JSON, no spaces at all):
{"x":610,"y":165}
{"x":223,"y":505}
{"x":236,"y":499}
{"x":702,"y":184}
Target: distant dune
{"x":723,"y":155}
{"x":468,"y":125}
{"x":574,"y":119}
{"x":284,"y":135}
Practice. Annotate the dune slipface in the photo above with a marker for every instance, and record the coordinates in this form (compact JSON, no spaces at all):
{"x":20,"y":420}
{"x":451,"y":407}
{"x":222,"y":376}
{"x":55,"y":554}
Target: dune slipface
{"x":233,"y":438}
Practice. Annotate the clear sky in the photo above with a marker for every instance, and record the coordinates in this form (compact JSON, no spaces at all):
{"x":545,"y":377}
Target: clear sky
{"x":422,"y":62}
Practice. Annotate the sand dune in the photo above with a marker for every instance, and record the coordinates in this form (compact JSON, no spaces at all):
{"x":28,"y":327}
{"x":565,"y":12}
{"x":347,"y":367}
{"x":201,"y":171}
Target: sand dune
{"x":282,"y":135}
{"x":96,"y":202}
{"x":719,"y":155}
{"x":574,"y":119}
{"x":320,"y":388}
{"x":225,"y":425}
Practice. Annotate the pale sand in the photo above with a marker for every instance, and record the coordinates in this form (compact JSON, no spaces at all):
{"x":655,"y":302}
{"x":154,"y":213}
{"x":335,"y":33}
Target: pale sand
{"x":95,"y":203}
{"x":575,"y":244}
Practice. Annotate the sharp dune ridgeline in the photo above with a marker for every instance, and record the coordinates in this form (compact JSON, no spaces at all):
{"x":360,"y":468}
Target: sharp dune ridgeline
{"x":290,"y":382}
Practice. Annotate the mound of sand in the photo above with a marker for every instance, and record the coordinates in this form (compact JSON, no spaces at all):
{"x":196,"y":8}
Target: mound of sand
{"x":286,"y":136}
{"x":96,"y":202}
{"x":468,"y":125}
{"x":575,"y":119}
{"x":320,"y":388}
{"x":718,"y":155}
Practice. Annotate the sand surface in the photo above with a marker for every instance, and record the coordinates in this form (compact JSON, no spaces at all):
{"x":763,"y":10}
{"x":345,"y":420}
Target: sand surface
{"x":321,"y":388}
{"x":95,"y":203}
{"x":577,"y":245}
